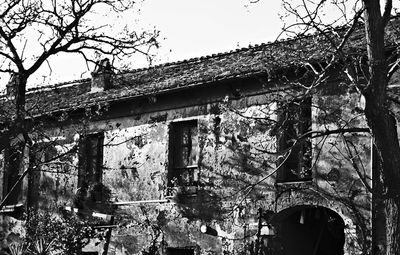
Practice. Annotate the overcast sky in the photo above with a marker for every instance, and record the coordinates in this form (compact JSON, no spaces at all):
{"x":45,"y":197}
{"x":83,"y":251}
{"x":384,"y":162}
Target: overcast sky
{"x":196,"y":28}
{"x":188,"y":28}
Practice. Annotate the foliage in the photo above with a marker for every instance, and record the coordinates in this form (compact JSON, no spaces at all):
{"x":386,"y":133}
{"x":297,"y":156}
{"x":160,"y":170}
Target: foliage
{"x":365,"y":60}
{"x":47,"y":29}
{"x":40,"y":248}
{"x":65,"y":26}
{"x":47,"y":232}
{"x":96,"y":196}
{"x":99,"y":192}
{"x":16,"y":248}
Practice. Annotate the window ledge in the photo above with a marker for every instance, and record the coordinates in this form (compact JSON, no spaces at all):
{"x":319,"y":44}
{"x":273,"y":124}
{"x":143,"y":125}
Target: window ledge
{"x":290,"y":183}
{"x":89,"y":213}
{"x":189,"y":166}
{"x":11,"y":208}
{"x":190,"y":190}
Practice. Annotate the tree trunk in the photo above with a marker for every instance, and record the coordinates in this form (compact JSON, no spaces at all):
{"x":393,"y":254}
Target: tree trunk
{"x":384,"y":131}
{"x":392,"y":207}
{"x":18,"y":134}
{"x":378,"y":206}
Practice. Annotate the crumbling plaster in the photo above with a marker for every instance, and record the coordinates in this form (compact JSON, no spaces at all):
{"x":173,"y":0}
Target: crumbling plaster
{"x":135,"y":168}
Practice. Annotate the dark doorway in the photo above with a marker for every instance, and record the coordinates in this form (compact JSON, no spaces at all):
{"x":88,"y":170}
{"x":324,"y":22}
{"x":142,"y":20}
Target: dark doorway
{"x":310,"y":231}
{"x":180,"y":251}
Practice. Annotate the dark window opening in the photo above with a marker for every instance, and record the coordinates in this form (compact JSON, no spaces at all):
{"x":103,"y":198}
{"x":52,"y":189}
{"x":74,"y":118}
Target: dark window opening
{"x":294,"y":121}
{"x":183,"y":154}
{"x":180,"y":251}
{"x":12,"y":159}
{"x":90,"y":160}
{"x":40,"y":155}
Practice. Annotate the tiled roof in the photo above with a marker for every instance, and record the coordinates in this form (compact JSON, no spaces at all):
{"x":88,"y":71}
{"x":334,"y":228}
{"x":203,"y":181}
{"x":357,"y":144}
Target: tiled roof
{"x":264,"y":59}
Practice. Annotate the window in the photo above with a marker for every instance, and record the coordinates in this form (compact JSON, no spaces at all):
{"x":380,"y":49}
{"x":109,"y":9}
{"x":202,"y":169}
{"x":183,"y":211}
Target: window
{"x":12,"y":172}
{"x":38,"y":155}
{"x":47,"y":166}
{"x":183,"y":154}
{"x":294,"y":120}
{"x":90,"y":159}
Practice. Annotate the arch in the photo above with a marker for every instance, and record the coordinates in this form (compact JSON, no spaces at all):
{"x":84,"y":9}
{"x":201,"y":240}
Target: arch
{"x":309,"y":230}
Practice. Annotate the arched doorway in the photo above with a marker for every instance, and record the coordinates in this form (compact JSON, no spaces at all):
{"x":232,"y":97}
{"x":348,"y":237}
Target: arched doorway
{"x":309,"y":230}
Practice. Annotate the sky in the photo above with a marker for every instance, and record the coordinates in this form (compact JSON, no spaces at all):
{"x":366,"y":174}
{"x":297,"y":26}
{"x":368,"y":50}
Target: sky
{"x":196,"y":28}
{"x":188,"y":28}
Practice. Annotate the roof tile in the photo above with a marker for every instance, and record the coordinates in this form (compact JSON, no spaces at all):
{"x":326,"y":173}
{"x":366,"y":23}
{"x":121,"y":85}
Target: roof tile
{"x":240,"y":63}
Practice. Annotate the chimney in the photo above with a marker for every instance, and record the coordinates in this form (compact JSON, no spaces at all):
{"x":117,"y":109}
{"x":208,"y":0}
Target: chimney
{"x":102,"y":76}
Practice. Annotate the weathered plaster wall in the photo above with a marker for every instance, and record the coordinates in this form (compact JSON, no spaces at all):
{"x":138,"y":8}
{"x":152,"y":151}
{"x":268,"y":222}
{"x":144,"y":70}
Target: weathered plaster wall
{"x":136,"y":164}
{"x":341,"y":169}
{"x":134,"y":161}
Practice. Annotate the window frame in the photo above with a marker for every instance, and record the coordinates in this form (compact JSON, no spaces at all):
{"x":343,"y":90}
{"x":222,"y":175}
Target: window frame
{"x":11,"y":177}
{"x":296,"y":164}
{"x":179,"y":174}
{"x":85,"y":155}
{"x":43,"y":154}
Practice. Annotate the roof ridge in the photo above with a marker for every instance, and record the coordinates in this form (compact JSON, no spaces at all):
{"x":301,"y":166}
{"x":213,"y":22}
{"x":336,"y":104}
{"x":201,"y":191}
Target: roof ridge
{"x":204,"y":57}
{"x":178,"y":62}
{"x":214,"y":55}
{"x":255,"y":47}
{"x":189,"y":60}
{"x":57,"y":85}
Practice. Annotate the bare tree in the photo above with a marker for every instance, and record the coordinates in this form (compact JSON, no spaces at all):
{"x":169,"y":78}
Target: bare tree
{"x":368,"y":60}
{"x":49,"y":28}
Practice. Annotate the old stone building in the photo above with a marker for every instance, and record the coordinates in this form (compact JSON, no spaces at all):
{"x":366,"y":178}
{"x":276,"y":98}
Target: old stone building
{"x":232,"y":153}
